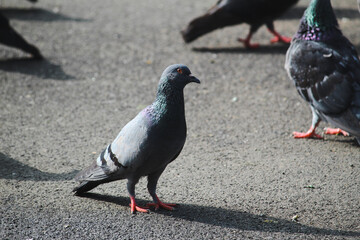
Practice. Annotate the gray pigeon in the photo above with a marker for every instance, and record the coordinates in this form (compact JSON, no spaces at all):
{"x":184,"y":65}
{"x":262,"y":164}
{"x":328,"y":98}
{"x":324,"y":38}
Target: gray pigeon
{"x":231,"y":12}
{"x":147,"y":144}
{"x":325,"y":69}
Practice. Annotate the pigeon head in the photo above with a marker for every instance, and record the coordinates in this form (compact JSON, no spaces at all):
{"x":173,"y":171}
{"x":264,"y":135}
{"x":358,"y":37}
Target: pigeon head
{"x":320,"y":15}
{"x":176,"y":77}
{"x":318,"y":23}
{"x":172,"y":82}
{"x":170,"y":90}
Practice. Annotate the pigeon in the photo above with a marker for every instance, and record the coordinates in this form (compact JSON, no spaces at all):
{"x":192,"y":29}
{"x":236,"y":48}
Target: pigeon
{"x":9,"y":37}
{"x":232,"y":12}
{"x":325,"y":68}
{"x":147,"y":144}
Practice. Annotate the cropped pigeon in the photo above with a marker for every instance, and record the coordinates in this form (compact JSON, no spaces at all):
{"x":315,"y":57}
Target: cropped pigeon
{"x":147,"y":144}
{"x":231,"y":12}
{"x":9,"y":37}
{"x":325,"y":69}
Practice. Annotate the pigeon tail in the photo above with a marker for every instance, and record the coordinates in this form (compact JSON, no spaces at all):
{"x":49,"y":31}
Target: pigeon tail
{"x":86,"y":186}
{"x":90,"y":178}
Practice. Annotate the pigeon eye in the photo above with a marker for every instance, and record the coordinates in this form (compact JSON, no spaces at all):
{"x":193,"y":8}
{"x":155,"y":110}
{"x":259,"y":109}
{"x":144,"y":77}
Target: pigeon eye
{"x":179,"y":70}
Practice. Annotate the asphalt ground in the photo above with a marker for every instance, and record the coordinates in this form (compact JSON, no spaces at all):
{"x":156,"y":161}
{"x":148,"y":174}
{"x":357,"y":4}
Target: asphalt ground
{"x":241,"y":175}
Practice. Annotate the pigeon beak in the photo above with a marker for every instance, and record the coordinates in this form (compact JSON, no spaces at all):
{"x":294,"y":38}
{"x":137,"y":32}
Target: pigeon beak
{"x":194,"y":79}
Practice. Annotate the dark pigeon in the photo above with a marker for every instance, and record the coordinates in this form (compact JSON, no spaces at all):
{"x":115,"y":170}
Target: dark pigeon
{"x":231,"y":12}
{"x":147,"y":144}
{"x":325,"y":69}
{"x":9,"y":37}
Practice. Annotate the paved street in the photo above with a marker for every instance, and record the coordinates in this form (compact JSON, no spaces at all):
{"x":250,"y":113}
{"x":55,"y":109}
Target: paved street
{"x":241,"y":175}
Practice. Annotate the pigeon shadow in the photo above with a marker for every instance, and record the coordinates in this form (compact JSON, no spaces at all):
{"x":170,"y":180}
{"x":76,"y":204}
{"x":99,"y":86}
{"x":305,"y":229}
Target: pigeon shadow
{"x":263,"y":49}
{"x":297,"y":13}
{"x":231,"y":218}
{"x":122,"y":201}
{"x":41,"y":68}
{"x":13,"y":169}
{"x":342,"y":139}
{"x":37,"y":14}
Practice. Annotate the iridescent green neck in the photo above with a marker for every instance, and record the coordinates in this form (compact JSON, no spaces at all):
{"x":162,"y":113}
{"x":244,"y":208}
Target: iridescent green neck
{"x":169,"y":100}
{"x":320,"y":15}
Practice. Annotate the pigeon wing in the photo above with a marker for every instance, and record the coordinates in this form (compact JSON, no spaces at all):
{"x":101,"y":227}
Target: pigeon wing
{"x":121,"y":155}
{"x":323,"y":75}
{"x":130,"y":146}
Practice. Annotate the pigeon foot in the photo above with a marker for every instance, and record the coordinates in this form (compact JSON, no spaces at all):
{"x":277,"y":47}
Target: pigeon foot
{"x":309,"y":134}
{"x":158,"y":204}
{"x":135,"y":208}
{"x":280,"y":38}
{"x":335,"y":131}
{"x":247,"y":43}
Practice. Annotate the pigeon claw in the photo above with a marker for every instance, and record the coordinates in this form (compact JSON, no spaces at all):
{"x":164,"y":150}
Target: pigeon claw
{"x":166,"y":206}
{"x":280,"y":38}
{"x":158,"y":204}
{"x":335,"y":131}
{"x":309,"y":134}
{"x":135,"y":208}
{"x":247,"y":43}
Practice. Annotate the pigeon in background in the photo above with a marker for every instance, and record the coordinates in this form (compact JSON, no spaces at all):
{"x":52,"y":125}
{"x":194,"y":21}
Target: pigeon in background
{"x":147,"y":144}
{"x":9,"y":37}
{"x":231,"y":12}
{"x":325,"y":69}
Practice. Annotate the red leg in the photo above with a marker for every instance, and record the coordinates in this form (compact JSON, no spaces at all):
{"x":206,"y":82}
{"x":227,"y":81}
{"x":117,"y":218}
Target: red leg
{"x":158,"y":204}
{"x":247,"y":43}
{"x":278,"y":37}
{"x":335,"y":131}
{"x":136,"y":208}
{"x":308,"y":134}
